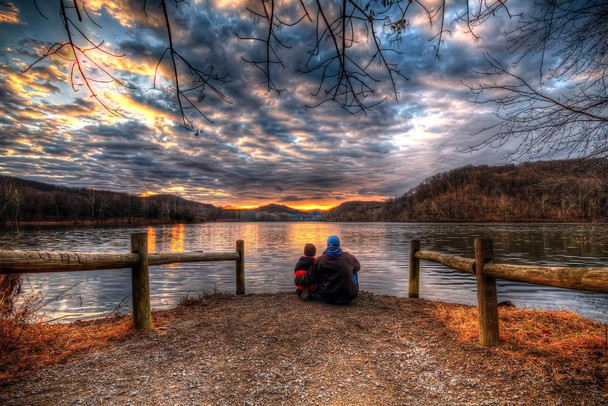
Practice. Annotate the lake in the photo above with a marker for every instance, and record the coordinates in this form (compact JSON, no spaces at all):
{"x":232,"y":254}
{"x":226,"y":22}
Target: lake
{"x":272,"y":250}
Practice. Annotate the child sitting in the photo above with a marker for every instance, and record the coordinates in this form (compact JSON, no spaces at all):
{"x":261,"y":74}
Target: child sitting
{"x":303,"y":265}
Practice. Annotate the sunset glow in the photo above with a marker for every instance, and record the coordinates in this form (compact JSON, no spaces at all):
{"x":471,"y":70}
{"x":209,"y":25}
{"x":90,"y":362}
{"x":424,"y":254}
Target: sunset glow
{"x":304,"y":207}
{"x":252,"y":150}
{"x":311,"y":207}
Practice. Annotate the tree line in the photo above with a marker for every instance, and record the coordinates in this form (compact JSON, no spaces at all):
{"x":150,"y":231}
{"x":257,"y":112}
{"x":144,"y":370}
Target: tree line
{"x":24,"y":201}
{"x":559,"y":191}
{"x":27,"y":201}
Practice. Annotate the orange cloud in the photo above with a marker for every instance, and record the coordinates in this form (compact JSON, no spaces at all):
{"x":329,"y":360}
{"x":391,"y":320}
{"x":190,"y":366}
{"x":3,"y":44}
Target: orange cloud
{"x":26,"y":86}
{"x":10,"y":16}
{"x":125,"y":12}
{"x":125,"y":64}
{"x":129,"y":106}
{"x":311,"y":206}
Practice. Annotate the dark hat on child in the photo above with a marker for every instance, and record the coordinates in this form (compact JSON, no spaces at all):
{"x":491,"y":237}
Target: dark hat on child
{"x":310,"y":250}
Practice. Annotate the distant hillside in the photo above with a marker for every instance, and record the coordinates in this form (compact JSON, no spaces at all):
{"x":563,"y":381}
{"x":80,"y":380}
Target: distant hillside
{"x":355,"y":211}
{"x":560,"y":191}
{"x":28,"y":201}
{"x":272,"y":212}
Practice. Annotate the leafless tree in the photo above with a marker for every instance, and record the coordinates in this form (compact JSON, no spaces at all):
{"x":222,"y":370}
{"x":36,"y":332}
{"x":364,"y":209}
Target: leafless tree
{"x":12,"y":197}
{"x":78,"y":46}
{"x":563,"y":107}
{"x":6,"y":185}
{"x":92,"y":198}
{"x":351,"y":54}
{"x":201,"y":80}
{"x":103,"y":201}
{"x":353,"y":44}
{"x":17,"y":197}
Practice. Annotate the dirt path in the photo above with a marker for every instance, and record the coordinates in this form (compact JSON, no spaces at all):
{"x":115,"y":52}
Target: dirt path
{"x":275,"y":349}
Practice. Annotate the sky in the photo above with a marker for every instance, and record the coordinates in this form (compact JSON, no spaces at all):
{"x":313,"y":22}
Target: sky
{"x":261,"y":147}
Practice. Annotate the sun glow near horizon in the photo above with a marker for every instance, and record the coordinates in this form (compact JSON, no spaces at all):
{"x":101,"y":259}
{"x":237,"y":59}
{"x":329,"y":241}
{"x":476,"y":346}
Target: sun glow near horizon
{"x":303,"y":205}
{"x":223,"y":201}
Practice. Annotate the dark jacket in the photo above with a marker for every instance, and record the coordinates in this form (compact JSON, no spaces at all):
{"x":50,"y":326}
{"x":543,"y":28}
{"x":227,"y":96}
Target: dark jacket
{"x":302,"y":266}
{"x":304,"y":263}
{"x":333,"y":276}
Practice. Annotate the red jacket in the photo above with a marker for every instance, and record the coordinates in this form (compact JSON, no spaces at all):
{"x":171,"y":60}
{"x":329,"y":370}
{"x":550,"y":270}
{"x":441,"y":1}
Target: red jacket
{"x":302,"y":266}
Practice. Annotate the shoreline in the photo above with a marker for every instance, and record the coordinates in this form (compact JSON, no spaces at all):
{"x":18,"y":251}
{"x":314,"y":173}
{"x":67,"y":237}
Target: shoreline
{"x":145,"y":222}
{"x":274,"y":348}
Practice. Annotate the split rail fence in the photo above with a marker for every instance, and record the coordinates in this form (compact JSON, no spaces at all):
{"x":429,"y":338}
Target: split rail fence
{"x":486,"y":271}
{"x":139,"y":260}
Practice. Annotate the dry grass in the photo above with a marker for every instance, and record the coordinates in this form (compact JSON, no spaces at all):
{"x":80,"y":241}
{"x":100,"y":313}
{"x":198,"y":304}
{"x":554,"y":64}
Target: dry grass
{"x":31,"y":346}
{"x":28,"y":343}
{"x":562,"y":342}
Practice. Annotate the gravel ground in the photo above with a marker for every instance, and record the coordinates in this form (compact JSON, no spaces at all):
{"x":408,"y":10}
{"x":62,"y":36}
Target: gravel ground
{"x":276,"y":349}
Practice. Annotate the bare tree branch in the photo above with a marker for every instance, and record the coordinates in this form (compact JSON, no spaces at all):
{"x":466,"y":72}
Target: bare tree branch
{"x":75,"y":53}
{"x":571,"y":40}
{"x":201,"y":80}
{"x":355,"y":51}
{"x":344,"y":31}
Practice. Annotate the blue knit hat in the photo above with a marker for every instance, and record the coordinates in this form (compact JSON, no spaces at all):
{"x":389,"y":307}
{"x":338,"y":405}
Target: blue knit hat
{"x":333,"y":241}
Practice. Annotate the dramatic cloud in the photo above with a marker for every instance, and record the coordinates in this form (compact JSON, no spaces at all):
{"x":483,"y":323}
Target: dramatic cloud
{"x":260,"y":148}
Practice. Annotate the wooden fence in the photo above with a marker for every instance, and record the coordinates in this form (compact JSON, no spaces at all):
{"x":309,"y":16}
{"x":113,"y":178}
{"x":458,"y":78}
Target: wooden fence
{"x":138,"y":260}
{"x":486,"y":271}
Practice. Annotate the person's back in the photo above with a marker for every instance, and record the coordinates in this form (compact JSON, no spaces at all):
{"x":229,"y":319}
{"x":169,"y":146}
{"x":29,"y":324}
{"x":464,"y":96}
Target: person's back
{"x":305,"y":262}
{"x":335,"y":273}
{"x":336,"y":280}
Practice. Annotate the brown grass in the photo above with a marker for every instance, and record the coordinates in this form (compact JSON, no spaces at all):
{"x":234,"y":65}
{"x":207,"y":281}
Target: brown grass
{"x":28,"y":343}
{"x":27,"y":347}
{"x":562,"y":342}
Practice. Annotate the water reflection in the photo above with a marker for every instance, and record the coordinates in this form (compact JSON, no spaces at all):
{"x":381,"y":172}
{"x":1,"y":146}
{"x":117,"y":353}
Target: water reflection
{"x":273,"y":248}
{"x":302,"y":233}
{"x":151,"y":239}
{"x":178,"y":238}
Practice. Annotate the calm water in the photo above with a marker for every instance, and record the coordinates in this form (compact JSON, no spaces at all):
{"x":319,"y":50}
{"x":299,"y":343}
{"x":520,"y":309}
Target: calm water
{"x":273,"y":248}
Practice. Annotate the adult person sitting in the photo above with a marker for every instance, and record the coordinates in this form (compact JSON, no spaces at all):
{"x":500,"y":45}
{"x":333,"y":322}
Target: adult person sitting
{"x":334,"y":273}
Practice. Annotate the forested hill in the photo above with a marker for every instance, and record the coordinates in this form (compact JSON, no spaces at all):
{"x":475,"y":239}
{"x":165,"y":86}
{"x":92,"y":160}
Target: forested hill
{"x":561,"y":191}
{"x":34,"y":202}
{"x":28,"y":201}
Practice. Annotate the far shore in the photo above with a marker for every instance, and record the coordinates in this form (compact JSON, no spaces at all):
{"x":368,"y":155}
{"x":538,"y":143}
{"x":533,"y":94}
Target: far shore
{"x":145,"y":222}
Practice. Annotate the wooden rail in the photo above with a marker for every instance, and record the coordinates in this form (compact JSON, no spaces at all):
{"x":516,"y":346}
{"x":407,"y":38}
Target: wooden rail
{"x":139,"y":260}
{"x":486,"y":271}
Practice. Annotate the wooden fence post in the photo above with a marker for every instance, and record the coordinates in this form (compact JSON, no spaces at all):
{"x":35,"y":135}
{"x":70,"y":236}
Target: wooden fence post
{"x":142,"y":319}
{"x":414,"y":279}
{"x":240,"y":267}
{"x":487,"y":304}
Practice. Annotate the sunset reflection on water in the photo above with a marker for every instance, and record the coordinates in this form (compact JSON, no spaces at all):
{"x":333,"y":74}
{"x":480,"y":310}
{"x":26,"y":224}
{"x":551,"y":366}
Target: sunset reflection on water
{"x":314,"y":233}
{"x":272,"y":249}
{"x":178,"y":237}
{"x":151,"y":239}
